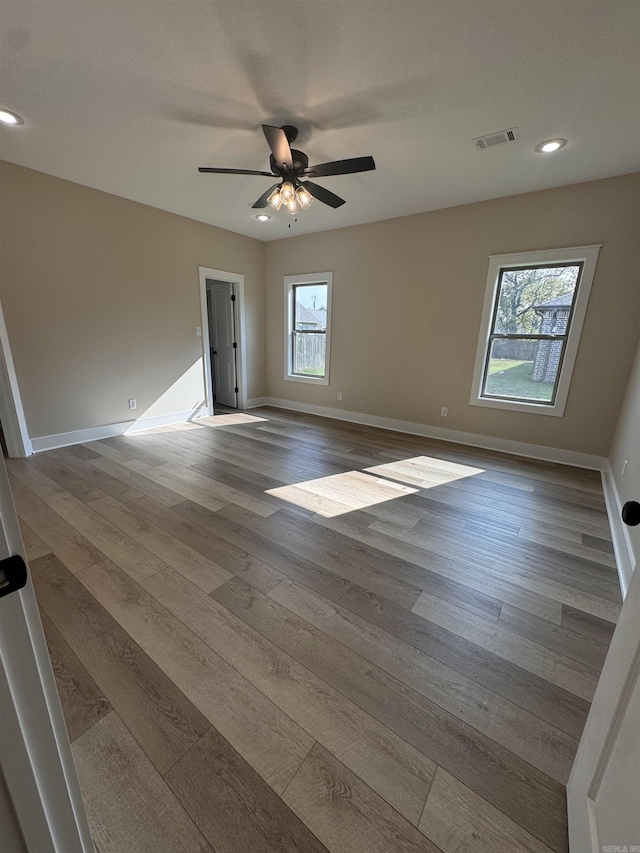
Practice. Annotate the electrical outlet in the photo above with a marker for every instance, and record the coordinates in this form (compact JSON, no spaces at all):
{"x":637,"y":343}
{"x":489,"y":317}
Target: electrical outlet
{"x":133,"y":403}
{"x":199,"y":331}
{"x":444,"y":411}
{"x":339,"y":395}
{"x":624,"y":467}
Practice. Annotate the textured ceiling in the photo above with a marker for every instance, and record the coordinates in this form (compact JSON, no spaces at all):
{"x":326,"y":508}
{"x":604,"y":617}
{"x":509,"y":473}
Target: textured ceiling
{"x":131,"y":97}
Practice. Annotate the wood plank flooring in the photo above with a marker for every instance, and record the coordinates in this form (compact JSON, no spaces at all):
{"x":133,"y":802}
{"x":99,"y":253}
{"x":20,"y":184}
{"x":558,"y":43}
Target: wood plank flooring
{"x":275,"y":632}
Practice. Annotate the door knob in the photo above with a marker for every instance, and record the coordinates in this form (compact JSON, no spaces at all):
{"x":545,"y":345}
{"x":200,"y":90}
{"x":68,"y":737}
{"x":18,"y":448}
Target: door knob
{"x":13,"y":574}
{"x":631,"y":513}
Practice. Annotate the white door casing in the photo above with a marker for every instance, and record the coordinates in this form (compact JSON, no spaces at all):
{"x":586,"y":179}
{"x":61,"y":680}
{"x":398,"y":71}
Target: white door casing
{"x":35,"y":754}
{"x":222,"y":334}
{"x":604,"y":787}
{"x":11,"y":413}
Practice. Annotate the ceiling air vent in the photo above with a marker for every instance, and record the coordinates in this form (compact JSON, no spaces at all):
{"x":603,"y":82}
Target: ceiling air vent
{"x":510,"y":135}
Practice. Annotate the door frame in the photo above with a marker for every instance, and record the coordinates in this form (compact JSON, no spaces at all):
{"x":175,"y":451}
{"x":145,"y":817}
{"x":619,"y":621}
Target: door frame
{"x":35,"y":752}
{"x":241,"y":365}
{"x":12,"y":416}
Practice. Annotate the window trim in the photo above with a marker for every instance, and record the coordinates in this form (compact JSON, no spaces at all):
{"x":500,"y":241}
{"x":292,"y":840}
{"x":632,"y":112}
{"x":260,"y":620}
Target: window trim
{"x":290,"y":281}
{"x":588,"y":257}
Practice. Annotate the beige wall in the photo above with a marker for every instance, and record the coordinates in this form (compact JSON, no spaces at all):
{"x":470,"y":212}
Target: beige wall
{"x":101,"y":300}
{"x":626,"y":446}
{"x":407,"y":302}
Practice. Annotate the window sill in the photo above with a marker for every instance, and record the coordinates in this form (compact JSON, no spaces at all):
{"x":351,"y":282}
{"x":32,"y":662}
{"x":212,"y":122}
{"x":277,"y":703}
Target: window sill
{"x":307,"y":380}
{"x":556,"y":411}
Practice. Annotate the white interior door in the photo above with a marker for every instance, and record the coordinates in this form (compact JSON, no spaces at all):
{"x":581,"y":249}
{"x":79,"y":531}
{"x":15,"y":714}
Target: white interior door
{"x":223,"y":341}
{"x":40,"y":785}
{"x":604,"y":788}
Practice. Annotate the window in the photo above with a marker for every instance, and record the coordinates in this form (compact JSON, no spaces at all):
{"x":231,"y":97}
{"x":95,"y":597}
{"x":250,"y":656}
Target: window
{"x":533,"y":314}
{"x":308,"y":327}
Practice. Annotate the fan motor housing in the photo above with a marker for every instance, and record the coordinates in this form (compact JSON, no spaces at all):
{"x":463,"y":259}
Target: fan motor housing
{"x":300,"y":163}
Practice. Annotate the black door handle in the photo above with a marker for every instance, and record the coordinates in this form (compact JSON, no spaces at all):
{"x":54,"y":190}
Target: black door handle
{"x":631,"y":513}
{"x":13,"y":574}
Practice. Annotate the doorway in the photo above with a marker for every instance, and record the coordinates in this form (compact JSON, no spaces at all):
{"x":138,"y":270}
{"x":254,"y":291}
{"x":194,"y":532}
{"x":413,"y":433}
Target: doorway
{"x":221,"y":314}
{"x":223,"y":339}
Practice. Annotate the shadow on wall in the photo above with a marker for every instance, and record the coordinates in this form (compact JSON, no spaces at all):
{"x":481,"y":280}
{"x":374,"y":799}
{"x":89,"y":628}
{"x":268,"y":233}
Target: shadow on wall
{"x":103,"y":412}
{"x":184,"y":398}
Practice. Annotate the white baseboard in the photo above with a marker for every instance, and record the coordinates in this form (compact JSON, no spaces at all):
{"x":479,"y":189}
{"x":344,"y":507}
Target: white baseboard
{"x":485,"y":442}
{"x":80,"y":436}
{"x":622,"y":545}
{"x":254,"y":402}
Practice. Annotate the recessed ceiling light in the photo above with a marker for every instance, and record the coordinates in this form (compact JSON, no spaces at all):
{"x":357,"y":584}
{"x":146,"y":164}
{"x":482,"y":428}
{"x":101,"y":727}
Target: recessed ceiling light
{"x":550,"y":146}
{"x":12,"y":119}
{"x":263,"y":217}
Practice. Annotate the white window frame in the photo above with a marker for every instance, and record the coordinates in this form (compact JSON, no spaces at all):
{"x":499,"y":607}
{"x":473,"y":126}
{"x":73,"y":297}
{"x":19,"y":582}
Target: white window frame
{"x":289,"y":283}
{"x":588,"y":256}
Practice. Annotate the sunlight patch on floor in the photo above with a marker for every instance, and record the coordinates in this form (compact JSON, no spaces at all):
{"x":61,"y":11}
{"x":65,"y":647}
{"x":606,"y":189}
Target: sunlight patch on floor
{"x":341,"y":493}
{"x":231,"y":419}
{"x":132,"y":432}
{"x":198,"y":423}
{"x":425,"y":471}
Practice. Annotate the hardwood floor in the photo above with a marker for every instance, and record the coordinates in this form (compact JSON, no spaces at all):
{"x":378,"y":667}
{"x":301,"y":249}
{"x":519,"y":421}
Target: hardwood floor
{"x":275,"y":632}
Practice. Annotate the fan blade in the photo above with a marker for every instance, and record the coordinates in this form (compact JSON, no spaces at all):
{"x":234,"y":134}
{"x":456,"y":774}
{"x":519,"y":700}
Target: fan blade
{"x":233,"y":171}
{"x":341,"y":167}
{"x":324,"y":195}
{"x":262,"y":201}
{"x":279,"y":145}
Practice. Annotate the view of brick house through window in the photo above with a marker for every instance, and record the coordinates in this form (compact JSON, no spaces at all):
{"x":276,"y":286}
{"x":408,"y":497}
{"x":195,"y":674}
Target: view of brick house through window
{"x":555,"y":319}
{"x":529,"y":330}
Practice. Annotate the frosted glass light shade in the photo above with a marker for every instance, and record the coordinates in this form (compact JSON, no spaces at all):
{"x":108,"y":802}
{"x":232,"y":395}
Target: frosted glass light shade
{"x":304,"y":197}
{"x":276,"y":199}
{"x":288,"y":191}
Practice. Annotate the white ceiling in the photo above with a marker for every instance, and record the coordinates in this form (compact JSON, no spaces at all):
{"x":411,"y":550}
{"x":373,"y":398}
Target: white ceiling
{"x":131,"y":96}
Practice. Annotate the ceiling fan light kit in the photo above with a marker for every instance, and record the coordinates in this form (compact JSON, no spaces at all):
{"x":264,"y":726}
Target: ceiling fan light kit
{"x":292,"y":198}
{"x":290,"y":165}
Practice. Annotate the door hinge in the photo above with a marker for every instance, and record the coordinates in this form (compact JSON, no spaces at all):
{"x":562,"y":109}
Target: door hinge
{"x":13,"y":574}
{"x":236,"y":390}
{"x":235,"y":345}
{"x":233,"y":297}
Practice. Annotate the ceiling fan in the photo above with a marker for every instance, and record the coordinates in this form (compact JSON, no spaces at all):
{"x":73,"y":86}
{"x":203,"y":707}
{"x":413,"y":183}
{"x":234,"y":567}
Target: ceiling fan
{"x":290,"y":166}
